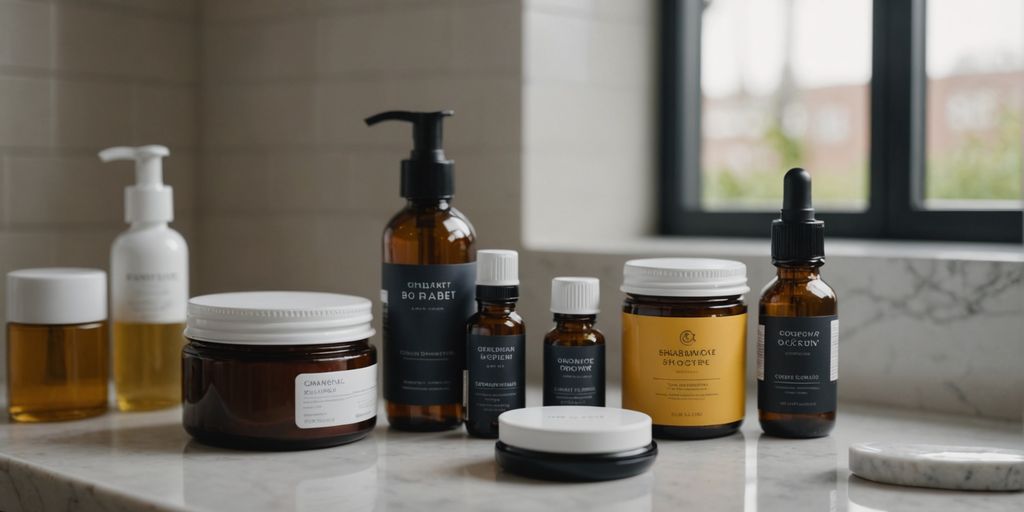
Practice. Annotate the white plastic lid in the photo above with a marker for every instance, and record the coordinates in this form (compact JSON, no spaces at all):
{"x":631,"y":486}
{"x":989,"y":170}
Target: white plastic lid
{"x":574,"y":429}
{"x":148,"y":200}
{"x":684,"y":277}
{"x":279,"y":318}
{"x":497,"y":267}
{"x":56,"y":296}
{"x":575,"y":295}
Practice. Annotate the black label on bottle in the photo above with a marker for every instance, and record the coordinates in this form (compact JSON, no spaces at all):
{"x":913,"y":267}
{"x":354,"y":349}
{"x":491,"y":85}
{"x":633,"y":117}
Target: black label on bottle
{"x":425,"y":312}
{"x":574,"y":375}
{"x":797,"y":364}
{"x":496,"y":377}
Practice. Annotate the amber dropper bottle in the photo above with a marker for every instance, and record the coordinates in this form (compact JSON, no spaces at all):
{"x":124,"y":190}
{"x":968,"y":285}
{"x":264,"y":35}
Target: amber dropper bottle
{"x":428,"y":277}
{"x":798,"y":331}
{"x":495,"y":345}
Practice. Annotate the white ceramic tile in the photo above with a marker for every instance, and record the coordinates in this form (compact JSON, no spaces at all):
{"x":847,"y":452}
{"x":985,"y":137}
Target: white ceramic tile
{"x":25,"y":33}
{"x":26,"y":113}
{"x":258,"y":115}
{"x":165,"y":115}
{"x":259,"y":50}
{"x":66,"y":191}
{"x":486,"y":38}
{"x":367,"y":42}
{"x":119,"y":43}
{"x":93,"y":115}
{"x":232,"y":182}
{"x":556,"y":47}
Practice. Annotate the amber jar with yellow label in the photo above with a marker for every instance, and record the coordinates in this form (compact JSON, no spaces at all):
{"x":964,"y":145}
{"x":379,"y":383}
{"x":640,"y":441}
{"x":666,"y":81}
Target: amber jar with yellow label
{"x":684,"y":331}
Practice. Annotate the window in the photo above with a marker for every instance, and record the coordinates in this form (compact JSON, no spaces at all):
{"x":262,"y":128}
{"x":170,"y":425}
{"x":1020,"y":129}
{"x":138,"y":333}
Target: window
{"x":907,"y":113}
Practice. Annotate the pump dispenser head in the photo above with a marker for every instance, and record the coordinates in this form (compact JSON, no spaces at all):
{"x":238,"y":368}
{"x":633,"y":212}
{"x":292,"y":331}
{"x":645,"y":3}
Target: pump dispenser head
{"x":148,"y":200}
{"x":797,"y":237}
{"x":427,"y":173}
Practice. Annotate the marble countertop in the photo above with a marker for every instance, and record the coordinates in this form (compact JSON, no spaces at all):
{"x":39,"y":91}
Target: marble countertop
{"x":145,"y":461}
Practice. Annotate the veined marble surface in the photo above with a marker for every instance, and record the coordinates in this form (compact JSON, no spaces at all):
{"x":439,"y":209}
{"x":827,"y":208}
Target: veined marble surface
{"x":145,"y":461}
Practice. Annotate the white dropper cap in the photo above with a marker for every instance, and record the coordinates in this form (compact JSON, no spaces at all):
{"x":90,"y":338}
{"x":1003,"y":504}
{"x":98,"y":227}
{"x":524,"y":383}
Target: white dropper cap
{"x":497,"y":267}
{"x":575,"y":295}
{"x":149,"y":200}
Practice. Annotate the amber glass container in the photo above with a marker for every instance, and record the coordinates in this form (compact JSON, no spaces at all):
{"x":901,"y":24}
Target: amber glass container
{"x":798,"y":292}
{"x":574,"y":350}
{"x":279,"y":370}
{"x":56,"y":344}
{"x":432,"y":238}
{"x":684,"y":345}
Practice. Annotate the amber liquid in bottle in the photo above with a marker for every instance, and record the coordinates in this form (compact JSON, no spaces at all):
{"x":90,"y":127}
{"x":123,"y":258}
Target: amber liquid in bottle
{"x":575,"y":331}
{"x":56,"y":372}
{"x":798,"y":291}
{"x":494,"y":318}
{"x":147,"y":365}
{"x":427,"y":232}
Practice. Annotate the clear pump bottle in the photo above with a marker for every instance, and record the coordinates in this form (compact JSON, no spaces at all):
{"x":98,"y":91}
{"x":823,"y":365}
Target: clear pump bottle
{"x":149,"y":288}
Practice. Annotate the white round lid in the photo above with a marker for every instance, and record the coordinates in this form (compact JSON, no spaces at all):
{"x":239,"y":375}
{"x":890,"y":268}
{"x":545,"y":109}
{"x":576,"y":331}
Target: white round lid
{"x":574,"y":429}
{"x":497,"y":267}
{"x":575,"y":295}
{"x":685,"y":277}
{"x":56,"y":296}
{"x":279,"y":318}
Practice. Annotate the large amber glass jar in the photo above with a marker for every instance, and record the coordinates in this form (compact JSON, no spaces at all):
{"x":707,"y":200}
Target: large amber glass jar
{"x":56,"y":344}
{"x":279,"y":370}
{"x":684,"y":327}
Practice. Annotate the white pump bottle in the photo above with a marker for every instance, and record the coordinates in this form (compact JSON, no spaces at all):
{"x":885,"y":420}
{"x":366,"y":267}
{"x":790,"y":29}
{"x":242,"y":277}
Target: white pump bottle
{"x":149,"y":288}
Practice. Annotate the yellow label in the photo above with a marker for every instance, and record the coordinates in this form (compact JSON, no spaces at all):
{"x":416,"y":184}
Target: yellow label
{"x":687,"y":372}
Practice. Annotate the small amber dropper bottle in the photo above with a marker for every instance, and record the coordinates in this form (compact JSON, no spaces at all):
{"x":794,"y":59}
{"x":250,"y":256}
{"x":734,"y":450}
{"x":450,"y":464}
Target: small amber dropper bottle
{"x":798,"y":331}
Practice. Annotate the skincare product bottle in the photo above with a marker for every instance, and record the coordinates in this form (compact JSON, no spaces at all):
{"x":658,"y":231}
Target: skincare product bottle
{"x":495,"y":345}
{"x":56,"y":344}
{"x":798,"y":326}
{"x":427,"y":286}
{"x":574,"y":349}
{"x":149,"y":288}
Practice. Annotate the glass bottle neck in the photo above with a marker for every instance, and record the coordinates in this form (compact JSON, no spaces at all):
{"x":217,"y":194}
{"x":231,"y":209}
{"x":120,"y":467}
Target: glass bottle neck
{"x":496,"y":308}
{"x":575,"y":322}
{"x":434,"y":203}
{"x":801,"y":272}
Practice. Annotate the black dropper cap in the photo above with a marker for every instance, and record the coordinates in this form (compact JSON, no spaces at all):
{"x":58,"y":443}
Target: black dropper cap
{"x":797,"y":237}
{"x":427,"y":173}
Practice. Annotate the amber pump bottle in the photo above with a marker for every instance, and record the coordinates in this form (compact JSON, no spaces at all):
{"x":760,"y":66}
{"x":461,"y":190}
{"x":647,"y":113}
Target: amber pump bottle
{"x":798,"y":331}
{"x":495,"y":345}
{"x":427,"y":286}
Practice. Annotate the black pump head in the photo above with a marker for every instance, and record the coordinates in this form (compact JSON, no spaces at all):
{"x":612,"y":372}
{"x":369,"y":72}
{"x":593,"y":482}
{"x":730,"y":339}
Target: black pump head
{"x":797,"y":237}
{"x":427,"y":173}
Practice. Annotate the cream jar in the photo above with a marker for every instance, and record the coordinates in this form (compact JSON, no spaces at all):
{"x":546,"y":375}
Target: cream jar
{"x":279,"y":370}
{"x":684,"y":330}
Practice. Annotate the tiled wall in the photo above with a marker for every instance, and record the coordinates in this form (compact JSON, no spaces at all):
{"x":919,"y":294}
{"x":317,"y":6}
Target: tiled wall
{"x":75,"y":77}
{"x":589,"y":122}
{"x":295,"y":190}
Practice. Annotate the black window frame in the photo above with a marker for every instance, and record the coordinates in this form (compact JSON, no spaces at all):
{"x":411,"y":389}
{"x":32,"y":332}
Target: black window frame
{"x":897,"y":148}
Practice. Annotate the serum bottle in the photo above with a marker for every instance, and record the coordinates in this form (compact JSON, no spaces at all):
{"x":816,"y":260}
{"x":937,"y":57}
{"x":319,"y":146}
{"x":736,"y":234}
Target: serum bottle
{"x":574,"y":359}
{"x":149,"y":288}
{"x":427,"y":285}
{"x":495,"y":345}
{"x":798,"y":331}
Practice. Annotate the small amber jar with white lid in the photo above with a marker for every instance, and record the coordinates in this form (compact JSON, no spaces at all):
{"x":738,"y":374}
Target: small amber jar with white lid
{"x":57,"y":362}
{"x":684,"y":329}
